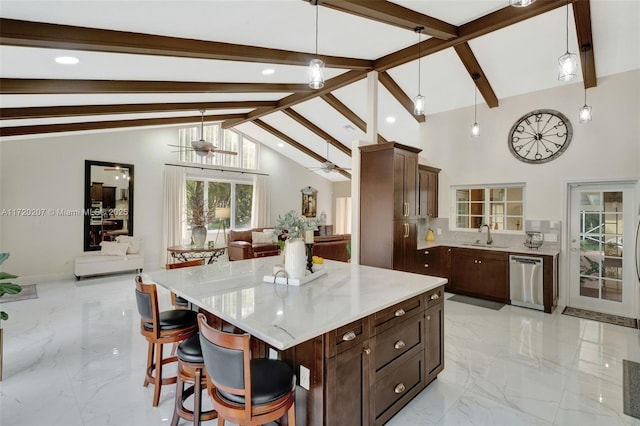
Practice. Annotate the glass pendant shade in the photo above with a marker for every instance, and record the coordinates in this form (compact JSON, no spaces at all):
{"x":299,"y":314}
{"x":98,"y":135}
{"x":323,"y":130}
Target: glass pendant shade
{"x":316,"y":74}
{"x":418,"y":105}
{"x":475,"y":130}
{"x":521,"y":3}
{"x":568,"y":64}
{"x":585,"y":114}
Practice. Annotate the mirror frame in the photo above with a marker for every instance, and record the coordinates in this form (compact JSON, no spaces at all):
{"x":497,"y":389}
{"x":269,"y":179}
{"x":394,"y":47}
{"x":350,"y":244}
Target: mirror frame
{"x":87,"y":199}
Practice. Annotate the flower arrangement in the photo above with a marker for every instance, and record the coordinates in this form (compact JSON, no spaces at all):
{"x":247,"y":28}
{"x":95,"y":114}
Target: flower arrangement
{"x":293,"y":225}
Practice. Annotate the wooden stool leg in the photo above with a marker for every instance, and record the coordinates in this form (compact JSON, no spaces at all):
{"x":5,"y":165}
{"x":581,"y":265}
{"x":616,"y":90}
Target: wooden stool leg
{"x":158,"y":376}
{"x":178,"y":403}
{"x":197,"y":390}
{"x":292,"y":415}
{"x":149,"y":363}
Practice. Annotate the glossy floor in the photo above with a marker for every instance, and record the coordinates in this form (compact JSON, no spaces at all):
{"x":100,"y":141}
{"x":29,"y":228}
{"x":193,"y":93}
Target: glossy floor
{"x":74,"y":356}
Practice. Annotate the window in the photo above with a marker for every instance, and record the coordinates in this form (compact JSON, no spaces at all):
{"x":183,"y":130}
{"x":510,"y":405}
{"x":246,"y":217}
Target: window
{"x":226,"y":139}
{"x":228,"y":203}
{"x":499,"y":206}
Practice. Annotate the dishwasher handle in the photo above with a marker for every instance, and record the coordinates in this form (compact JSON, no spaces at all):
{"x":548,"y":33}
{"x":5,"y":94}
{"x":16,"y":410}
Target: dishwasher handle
{"x":531,"y":261}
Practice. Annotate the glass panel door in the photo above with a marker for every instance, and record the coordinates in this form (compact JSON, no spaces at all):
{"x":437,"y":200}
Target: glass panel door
{"x":601,"y":245}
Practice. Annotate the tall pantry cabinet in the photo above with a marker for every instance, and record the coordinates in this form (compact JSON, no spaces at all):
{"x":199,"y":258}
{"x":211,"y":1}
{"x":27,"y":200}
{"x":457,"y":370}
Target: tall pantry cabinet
{"x":389,"y":205}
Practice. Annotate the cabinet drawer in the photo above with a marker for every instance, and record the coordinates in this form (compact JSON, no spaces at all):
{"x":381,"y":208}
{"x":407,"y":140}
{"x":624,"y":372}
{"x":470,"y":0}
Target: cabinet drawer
{"x":427,"y":261}
{"x":402,"y":382}
{"x":391,"y":316}
{"x":398,"y":340}
{"x":347,"y":336}
{"x":435,"y":296}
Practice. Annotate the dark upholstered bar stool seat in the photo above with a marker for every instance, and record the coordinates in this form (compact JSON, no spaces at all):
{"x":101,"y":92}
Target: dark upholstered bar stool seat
{"x":191,"y":371}
{"x":245,"y":391}
{"x":160,"y":328}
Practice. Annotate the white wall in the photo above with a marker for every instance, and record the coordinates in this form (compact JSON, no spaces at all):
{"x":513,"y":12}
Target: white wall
{"x":48,"y":173}
{"x":607,"y":147}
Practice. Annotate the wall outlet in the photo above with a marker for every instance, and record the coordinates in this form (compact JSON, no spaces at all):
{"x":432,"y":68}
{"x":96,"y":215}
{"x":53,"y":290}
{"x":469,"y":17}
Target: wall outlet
{"x":439,"y":231}
{"x":305,"y":377}
{"x":551,"y":238}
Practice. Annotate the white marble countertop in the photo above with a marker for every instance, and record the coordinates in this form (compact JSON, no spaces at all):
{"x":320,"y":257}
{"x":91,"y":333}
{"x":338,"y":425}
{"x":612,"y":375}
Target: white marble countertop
{"x":544,"y":250}
{"x":284,"y":316}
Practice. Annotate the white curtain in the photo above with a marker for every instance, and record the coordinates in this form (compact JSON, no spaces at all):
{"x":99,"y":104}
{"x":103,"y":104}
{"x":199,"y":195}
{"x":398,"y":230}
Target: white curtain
{"x":343,"y":215}
{"x":173,"y":223}
{"x":261,"y":206}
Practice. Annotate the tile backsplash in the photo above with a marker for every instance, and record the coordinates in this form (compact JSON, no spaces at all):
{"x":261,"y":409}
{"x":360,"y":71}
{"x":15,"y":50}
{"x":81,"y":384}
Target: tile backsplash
{"x":550,"y":229}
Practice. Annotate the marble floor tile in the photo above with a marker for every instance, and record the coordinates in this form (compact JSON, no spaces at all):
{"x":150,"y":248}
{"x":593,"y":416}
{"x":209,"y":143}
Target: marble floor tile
{"x":74,"y":356}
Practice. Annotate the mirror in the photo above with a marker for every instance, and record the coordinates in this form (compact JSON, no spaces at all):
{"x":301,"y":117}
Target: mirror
{"x":108,"y":199}
{"x":309,"y":200}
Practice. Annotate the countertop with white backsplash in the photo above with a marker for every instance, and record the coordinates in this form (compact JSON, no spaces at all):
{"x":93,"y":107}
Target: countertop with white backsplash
{"x":544,"y":250}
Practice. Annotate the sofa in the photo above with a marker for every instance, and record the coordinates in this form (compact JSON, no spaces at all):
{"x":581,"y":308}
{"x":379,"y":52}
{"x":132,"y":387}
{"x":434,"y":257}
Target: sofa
{"x":122,"y":255}
{"x":332,"y":247}
{"x":241,"y":244}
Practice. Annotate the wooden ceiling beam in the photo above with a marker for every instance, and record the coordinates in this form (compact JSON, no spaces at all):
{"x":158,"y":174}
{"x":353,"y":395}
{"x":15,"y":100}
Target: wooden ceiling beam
{"x":317,"y":130}
{"x":394,"y":14}
{"x":582,"y":17}
{"x":115,"y":124}
{"x":277,"y":133}
{"x":330,"y":85}
{"x":15,"y":32}
{"x":475,"y":72}
{"x":81,"y":110}
{"x":395,"y":90}
{"x":494,"y":21}
{"x":12,"y":86}
{"x":348,"y":114}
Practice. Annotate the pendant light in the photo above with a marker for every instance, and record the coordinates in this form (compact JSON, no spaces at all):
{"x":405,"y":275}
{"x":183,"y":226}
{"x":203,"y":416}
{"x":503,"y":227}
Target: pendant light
{"x":418,"y":101}
{"x":316,"y":66}
{"x":521,"y":3}
{"x":584,"y":114}
{"x":475,"y":129}
{"x":568,"y":63}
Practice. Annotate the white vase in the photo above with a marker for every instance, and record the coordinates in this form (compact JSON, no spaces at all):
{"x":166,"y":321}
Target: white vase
{"x":199,"y":235}
{"x":295,"y":259}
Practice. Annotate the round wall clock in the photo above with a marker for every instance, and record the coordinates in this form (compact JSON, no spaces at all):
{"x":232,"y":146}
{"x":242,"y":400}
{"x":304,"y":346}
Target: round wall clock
{"x":540,"y":136}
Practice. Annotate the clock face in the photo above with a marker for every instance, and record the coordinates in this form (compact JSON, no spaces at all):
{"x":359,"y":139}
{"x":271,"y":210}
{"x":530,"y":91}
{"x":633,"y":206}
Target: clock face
{"x":540,"y":136}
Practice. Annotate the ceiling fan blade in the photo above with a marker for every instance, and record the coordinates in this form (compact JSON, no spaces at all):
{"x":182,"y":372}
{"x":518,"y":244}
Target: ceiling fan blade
{"x":222,"y":151}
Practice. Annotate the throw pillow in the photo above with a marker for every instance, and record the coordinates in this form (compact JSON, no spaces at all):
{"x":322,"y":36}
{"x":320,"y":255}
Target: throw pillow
{"x":261,"y":238}
{"x":135,"y":243}
{"x":112,"y":248}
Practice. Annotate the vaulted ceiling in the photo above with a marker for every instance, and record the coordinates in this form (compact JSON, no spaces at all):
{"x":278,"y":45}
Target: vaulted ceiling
{"x":156,"y":63}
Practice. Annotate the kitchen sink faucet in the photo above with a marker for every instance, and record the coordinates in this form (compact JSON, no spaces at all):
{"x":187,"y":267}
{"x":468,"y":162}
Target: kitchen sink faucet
{"x":489,"y":240}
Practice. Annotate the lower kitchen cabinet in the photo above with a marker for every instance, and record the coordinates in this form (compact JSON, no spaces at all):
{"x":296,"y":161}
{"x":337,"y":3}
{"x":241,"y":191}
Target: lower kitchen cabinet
{"x":434,"y":328}
{"x":481,"y":273}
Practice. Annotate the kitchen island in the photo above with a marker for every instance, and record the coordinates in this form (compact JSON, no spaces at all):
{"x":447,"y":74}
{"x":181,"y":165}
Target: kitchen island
{"x":370,"y":339}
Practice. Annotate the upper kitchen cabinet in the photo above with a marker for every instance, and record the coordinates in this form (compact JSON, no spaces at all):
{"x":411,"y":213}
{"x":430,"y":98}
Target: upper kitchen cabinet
{"x":388,"y":204}
{"x":427,"y":191}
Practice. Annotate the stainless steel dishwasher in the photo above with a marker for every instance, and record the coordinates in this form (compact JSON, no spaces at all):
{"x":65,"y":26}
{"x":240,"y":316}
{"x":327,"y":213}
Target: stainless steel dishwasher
{"x":525,"y":281}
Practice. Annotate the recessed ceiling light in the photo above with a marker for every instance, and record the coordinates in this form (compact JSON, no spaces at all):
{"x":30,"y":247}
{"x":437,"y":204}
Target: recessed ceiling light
{"x":67,"y":60}
{"x":390,"y":119}
{"x":280,"y":144}
{"x":268,"y":71}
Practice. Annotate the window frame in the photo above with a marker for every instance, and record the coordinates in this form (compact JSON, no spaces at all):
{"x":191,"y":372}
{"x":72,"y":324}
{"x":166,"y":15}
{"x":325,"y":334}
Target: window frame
{"x":486,"y":203}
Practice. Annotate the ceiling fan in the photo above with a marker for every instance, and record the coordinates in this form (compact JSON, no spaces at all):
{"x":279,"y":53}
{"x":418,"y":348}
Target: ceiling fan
{"x":328,"y":166}
{"x":201,"y":147}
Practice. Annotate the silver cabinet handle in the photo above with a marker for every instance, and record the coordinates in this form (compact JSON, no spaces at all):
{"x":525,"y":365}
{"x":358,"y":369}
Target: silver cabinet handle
{"x":426,"y":265}
{"x":366,"y":351}
{"x":400,"y":312}
{"x":428,"y":317}
{"x":426,"y":252}
{"x":399,"y":344}
{"x":399,"y":388}
{"x":348,"y":336}
{"x":434,"y":296}
{"x":479,"y":261}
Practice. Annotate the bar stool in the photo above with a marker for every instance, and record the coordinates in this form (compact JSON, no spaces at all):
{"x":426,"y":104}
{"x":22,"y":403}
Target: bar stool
{"x":177,"y":301}
{"x":191,"y":371}
{"x":159,"y":328}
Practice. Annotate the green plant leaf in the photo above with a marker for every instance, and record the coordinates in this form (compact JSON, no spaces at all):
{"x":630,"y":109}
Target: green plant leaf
{"x":9,"y":288}
{"x":3,"y":257}
{"x":3,"y":316}
{"x":6,"y":276}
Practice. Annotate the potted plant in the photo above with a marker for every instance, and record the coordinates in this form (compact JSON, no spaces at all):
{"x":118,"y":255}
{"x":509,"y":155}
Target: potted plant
{"x":5,"y":288}
{"x":292,"y":228}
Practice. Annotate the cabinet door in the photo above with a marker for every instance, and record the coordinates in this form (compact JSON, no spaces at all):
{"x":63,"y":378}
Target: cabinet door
{"x":427,"y":193}
{"x":347,"y":390}
{"x":434,"y":329}
{"x":464,"y":270}
{"x":445,"y":268}
{"x":405,"y":238}
{"x":494,"y":269}
{"x":405,"y":175}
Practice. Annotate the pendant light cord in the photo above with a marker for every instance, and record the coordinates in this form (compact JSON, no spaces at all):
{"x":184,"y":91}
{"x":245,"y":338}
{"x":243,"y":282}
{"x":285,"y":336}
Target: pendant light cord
{"x":475,"y":104}
{"x":316,"y":30}
{"x":567,"y":25}
{"x":419,"y":31}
